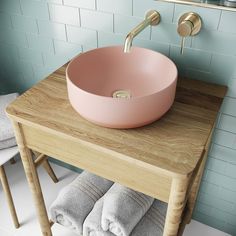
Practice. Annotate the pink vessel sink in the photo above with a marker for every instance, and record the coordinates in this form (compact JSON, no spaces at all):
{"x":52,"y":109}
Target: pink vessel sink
{"x":121,"y":90}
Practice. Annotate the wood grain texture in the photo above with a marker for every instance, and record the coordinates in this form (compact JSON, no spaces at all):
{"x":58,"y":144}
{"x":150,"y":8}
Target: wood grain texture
{"x":120,"y":169}
{"x":33,"y":180}
{"x":7,"y":191}
{"x":174,"y":143}
{"x":164,"y":159}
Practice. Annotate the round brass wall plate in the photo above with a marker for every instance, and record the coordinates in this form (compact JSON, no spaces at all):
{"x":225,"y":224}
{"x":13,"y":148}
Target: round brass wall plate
{"x":194,"y":18}
{"x":155,"y":17}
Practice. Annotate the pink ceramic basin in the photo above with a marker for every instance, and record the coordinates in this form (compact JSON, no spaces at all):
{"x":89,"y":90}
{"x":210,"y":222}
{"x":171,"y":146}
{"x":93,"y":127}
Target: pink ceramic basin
{"x":121,"y":90}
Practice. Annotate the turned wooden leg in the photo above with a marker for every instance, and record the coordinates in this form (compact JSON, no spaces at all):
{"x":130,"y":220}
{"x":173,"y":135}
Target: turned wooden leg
{"x":176,"y":205}
{"x":50,"y":171}
{"x":7,"y":192}
{"x":33,"y":180}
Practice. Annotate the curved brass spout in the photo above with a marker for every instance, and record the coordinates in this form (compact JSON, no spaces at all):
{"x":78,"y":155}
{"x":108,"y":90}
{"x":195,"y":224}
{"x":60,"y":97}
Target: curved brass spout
{"x":152,"y":18}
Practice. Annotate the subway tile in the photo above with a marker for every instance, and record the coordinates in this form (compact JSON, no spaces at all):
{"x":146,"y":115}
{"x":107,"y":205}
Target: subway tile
{"x":5,"y":20}
{"x":166,"y":9}
{"x":90,"y":4}
{"x":54,"y":61}
{"x":229,"y":106}
{"x":120,"y":7}
{"x":215,"y":41}
{"x":209,"y":220}
{"x":42,"y":72}
{"x":223,"y":138}
{"x":216,"y":165}
{"x":10,"y":6}
{"x":223,"y":153}
{"x":213,"y":201}
{"x":86,"y":48}
{"x":223,"y":65}
{"x":218,"y":214}
{"x":110,"y":39}
{"x":166,"y":33}
{"x":96,"y":20}
{"x":228,"y":183}
{"x":214,"y":177}
{"x":52,"y":30}
{"x":68,"y":50}
{"x":231,"y":219}
{"x":9,"y":51}
{"x":231,"y":170}
{"x":206,"y":76}
{"x":232,"y":88}
{"x":227,"y":194}
{"x":124,"y":24}
{"x":191,"y":58}
{"x":70,"y":14}
{"x":82,"y":36}
{"x":159,"y":47}
{"x":35,"y":9}
{"x":228,"y":123}
{"x":55,"y":1}
{"x":230,"y":229}
{"x":13,"y":37}
{"x":203,"y":208}
{"x":209,"y":188}
{"x":227,"y":22}
{"x":26,"y":24}
{"x":40,"y":43}
{"x":27,"y":54}
{"x":210,"y":17}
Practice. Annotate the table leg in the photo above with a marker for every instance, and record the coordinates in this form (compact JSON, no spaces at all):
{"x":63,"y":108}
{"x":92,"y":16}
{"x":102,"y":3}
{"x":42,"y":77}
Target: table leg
{"x":7,"y":192}
{"x":176,"y":205}
{"x":33,"y":180}
{"x":194,"y":190}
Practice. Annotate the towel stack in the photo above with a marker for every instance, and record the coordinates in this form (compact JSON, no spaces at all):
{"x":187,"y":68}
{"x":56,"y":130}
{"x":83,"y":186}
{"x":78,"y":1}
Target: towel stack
{"x":7,"y":138}
{"x":114,"y":210}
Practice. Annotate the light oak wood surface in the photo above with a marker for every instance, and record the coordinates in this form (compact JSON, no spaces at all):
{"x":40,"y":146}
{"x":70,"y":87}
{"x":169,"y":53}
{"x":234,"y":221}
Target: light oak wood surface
{"x":174,"y":143}
{"x":164,"y":159}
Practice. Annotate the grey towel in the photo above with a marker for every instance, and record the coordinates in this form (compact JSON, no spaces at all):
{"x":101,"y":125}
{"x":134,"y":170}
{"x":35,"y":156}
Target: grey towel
{"x":123,"y":208}
{"x":151,"y":224}
{"x":92,"y":224}
{"x":11,"y":142}
{"x":6,"y":130}
{"x":76,"y":200}
{"x":153,"y":221}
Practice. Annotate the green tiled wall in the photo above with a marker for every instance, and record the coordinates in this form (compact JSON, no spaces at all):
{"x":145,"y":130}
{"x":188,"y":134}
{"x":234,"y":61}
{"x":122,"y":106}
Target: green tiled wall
{"x":38,"y":36}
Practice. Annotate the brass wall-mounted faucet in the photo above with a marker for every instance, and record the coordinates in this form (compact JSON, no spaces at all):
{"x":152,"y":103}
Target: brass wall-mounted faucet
{"x":189,"y":25}
{"x":152,"y":18}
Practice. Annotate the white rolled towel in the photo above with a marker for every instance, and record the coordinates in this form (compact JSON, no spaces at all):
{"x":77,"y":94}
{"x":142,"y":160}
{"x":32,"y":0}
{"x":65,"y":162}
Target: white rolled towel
{"x":123,"y":208}
{"x":7,"y":143}
{"x":92,"y":224}
{"x":6,"y":130}
{"x":76,"y":200}
{"x":153,"y":221}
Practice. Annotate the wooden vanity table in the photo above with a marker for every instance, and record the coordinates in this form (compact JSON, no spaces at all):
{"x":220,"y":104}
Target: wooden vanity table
{"x":164,"y":160}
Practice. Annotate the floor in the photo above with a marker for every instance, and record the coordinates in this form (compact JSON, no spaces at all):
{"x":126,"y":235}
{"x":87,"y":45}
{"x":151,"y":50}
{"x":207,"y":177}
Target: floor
{"x":26,"y":211}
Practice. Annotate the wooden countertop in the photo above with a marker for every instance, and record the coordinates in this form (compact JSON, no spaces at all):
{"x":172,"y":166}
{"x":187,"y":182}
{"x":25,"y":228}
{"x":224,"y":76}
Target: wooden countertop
{"x":174,"y":144}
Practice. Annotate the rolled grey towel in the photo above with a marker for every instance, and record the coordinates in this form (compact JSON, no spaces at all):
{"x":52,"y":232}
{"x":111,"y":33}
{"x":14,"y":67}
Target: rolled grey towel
{"x":92,"y":224}
{"x":123,"y":208}
{"x":11,"y":142}
{"x":76,"y":200}
{"x":6,"y":130}
{"x":153,"y":221}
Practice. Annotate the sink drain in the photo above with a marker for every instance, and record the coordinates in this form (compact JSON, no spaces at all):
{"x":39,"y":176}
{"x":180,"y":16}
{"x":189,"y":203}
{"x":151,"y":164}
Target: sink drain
{"x":121,"y":94}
